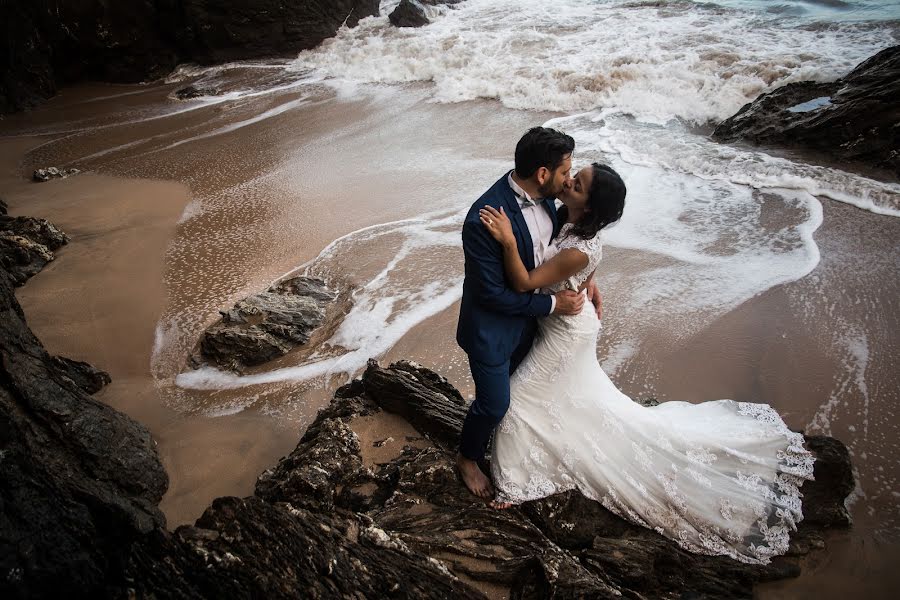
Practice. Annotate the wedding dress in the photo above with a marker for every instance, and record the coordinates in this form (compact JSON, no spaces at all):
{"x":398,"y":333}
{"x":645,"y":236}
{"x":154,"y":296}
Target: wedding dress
{"x":719,"y":477}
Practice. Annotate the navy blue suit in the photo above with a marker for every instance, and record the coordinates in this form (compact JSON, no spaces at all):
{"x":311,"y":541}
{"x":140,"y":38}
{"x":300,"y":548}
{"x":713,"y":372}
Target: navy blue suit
{"x":496,"y":324}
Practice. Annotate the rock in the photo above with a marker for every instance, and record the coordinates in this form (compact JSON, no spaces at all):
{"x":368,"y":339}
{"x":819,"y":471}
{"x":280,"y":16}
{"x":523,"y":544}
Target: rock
{"x":79,"y":481}
{"x":26,"y":244}
{"x":249,"y":548}
{"x":192,"y":91}
{"x":3,"y":207}
{"x":268,"y":325}
{"x":88,"y":378}
{"x":131,"y":41}
{"x":49,"y":173}
{"x":856,"y":118}
{"x":240,"y":29}
{"x":409,"y":13}
{"x":420,"y":396}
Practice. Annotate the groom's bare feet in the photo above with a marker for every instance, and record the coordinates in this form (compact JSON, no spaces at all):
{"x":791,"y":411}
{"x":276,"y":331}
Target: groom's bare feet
{"x":500,"y":505}
{"x":474,"y":477}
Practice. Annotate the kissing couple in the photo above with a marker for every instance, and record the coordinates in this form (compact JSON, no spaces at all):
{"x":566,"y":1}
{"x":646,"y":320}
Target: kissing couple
{"x":719,"y":477}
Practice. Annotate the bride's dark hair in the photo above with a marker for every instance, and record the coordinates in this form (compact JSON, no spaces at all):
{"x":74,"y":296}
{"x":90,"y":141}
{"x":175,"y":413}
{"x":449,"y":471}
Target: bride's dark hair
{"x":606,"y":201}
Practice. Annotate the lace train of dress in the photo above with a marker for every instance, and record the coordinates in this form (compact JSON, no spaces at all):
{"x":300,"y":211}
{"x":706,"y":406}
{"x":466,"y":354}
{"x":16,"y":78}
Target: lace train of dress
{"x":719,"y":477}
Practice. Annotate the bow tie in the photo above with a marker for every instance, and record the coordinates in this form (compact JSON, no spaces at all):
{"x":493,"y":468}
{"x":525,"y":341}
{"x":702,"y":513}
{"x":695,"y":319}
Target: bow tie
{"x":526,"y":202}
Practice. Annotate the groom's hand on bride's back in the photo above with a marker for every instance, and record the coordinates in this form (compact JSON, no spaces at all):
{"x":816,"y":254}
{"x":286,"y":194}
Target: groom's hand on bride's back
{"x":568,"y":302}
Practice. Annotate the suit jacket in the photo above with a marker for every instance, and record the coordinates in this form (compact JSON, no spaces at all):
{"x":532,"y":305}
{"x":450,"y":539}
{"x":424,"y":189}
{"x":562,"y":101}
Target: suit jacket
{"x":493,"y":318}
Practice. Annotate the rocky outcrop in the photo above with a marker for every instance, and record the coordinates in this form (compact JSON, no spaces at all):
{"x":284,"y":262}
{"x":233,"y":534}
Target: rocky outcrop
{"x":87,"y":377}
{"x":49,"y":173}
{"x":48,"y":45}
{"x":27,"y":245}
{"x":856,"y":118}
{"x":269,"y":324}
{"x":561,"y":546}
{"x":79,"y":481}
{"x":409,"y":13}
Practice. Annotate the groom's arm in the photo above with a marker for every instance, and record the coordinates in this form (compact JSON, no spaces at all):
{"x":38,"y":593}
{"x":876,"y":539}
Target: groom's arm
{"x":485,"y":254}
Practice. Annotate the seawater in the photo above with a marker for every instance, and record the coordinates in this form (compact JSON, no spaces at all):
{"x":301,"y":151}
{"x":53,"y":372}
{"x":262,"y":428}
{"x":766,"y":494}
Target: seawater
{"x":638,"y":85}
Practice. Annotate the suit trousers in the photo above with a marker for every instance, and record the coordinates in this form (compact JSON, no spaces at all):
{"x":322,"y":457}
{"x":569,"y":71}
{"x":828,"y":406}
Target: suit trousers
{"x":491,"y":401}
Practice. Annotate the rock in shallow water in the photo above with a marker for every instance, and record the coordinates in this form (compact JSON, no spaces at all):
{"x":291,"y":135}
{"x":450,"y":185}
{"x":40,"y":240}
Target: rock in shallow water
{"x":268,"y":325}
{"x":26,"y":246}
{"x":855,"y":118}
{"x":53,"y":173}
{"x":409,"y":13}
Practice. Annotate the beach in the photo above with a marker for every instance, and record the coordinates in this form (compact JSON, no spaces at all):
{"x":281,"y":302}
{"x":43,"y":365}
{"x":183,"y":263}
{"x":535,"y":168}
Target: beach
{"x":750,"y":276}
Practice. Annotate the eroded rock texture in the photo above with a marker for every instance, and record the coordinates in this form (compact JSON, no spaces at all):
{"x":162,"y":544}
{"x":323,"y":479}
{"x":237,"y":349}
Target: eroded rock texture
{"x":563,"y":546}
{"x":79,"y":481}
{"x":856,"y":118}
{"x":269,"y":324}
{"x":27,"y":245}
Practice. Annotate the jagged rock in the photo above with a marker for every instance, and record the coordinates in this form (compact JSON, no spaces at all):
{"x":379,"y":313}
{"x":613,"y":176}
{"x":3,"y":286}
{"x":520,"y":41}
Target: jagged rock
{"x":26,"y":244}
{"x":420,"y":396}
{"x":53,"y":173}
{"x":193,"y":91}
{"x":40,"y":231}
{"x":79,"y":481}
{"x":249,"y":548}
{"x":3,"y":207}
{"x":268,"y":325}
{"x":855,"y":118}
{"x":409,"y":13}
{"x":87,"y":377}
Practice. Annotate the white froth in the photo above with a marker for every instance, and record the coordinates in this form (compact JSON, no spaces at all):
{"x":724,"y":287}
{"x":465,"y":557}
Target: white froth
{"x":657,"y":61}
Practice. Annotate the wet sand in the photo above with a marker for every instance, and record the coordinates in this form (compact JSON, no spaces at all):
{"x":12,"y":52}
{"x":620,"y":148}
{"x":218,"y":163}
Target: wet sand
{"x":100,"y":301}
{"x":267,"y":198}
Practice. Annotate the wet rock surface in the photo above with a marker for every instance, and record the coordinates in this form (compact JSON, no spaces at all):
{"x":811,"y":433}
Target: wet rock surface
{"x":27,"y":245}
{"x":856,"y":118}
{"x":79,"y":481}
{"x":129,"y":41}
{"x":409,"y":13}
{"x":87,"y":377}
{"x":267,"y":325}
{"x":49,"y":173}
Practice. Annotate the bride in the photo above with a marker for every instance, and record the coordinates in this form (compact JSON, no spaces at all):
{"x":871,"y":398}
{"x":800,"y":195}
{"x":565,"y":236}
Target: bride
{"x":720,"y":477}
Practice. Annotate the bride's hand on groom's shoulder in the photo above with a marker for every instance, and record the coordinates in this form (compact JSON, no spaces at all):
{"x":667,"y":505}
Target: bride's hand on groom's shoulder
{"x":498,"y":225}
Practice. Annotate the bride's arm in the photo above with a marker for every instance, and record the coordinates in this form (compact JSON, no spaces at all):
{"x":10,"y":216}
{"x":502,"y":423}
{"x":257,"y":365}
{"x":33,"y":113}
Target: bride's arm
{"x":566,"y":263}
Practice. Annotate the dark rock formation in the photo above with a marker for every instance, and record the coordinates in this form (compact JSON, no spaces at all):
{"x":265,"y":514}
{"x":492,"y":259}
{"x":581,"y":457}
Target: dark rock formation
{"x":53,"y":173}
{"x":268,"y":325}
{"x":409,"y":13}
{"x":26,"y":245}
{"x":562,"y":546}
{"x":856,"y":118}
{"x":193,"y":91}
{"x":78,"y":481}
{"x":237,"y":29}
{"x":51,"y":44}
{"x":87,"y":377}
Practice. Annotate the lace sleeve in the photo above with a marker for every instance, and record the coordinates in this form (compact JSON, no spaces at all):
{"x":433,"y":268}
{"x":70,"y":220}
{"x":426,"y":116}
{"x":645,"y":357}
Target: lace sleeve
{"x":592,"y":248}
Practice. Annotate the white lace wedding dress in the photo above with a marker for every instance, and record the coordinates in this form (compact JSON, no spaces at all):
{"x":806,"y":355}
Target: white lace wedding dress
{"x":718,"y":477}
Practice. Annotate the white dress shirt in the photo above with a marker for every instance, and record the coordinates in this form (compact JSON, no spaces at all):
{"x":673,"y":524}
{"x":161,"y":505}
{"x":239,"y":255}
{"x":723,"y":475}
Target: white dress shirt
{"x":540,"y":226}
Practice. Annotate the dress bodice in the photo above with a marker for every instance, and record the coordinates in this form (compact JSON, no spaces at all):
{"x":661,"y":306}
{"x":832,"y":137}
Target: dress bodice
{"x":592,"y":248}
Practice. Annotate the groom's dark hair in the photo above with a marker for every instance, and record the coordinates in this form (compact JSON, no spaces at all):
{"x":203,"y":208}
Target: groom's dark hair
{"x":542,"y":147}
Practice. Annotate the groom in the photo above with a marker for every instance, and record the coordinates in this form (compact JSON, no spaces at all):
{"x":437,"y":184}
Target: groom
{"x":497,"y":324}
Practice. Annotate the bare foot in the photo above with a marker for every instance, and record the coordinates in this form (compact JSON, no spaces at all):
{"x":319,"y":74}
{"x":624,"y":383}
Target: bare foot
{"x":474,"y":478}
{"x":500,"y":505}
